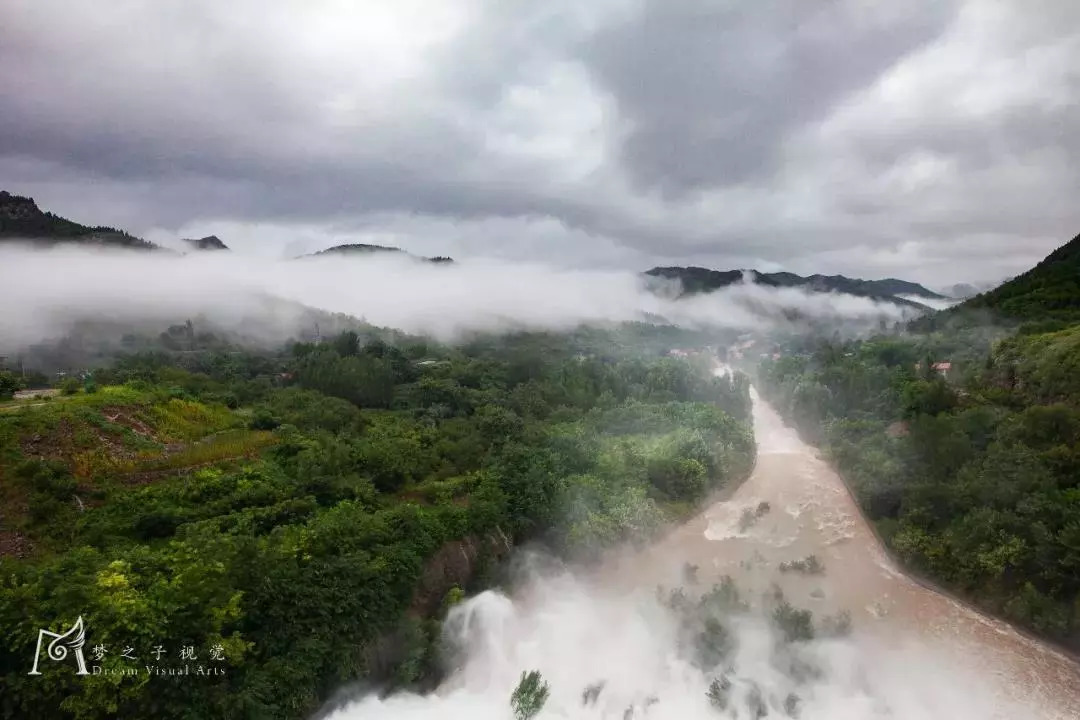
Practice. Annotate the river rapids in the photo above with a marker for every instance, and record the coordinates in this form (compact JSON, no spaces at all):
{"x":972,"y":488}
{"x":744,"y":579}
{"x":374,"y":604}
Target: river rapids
{"x":912,"y":653}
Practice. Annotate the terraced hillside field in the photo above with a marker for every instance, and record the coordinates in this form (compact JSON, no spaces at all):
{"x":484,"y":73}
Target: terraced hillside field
{"x":62,"y":457}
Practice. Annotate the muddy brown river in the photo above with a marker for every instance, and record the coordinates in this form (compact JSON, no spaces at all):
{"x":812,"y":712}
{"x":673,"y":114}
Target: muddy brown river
{"x":811,"y":512}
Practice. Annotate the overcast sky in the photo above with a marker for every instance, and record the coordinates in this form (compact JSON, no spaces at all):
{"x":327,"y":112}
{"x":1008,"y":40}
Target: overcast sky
{"x":936,"y":140}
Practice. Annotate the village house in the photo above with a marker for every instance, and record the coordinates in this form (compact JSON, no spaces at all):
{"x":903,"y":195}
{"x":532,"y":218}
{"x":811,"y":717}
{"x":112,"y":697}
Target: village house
{"x":942,"y":368}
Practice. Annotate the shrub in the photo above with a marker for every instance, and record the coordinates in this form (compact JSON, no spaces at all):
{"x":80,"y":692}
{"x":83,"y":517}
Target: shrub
{"x":263,"y":420}
{"x":795,"y":625}
{"x":9,"y":383}
{"x":529,"y":696}
{"x":809,"y":565}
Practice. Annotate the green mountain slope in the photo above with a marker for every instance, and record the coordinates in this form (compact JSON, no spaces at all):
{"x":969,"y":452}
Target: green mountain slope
{"x":21,"y":220}
{"x":698,"y":280}
{"x":1050,"y":290}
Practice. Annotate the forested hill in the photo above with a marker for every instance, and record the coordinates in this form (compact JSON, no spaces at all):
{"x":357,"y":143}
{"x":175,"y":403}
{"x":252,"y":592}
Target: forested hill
{"x":698,"y":280}
{"x":21,"y":219}
{"x":353,"y":249}
{"x":1049,"y":291}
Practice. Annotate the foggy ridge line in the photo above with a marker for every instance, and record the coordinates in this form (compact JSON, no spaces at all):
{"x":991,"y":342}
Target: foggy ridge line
{"x":441,"y":300}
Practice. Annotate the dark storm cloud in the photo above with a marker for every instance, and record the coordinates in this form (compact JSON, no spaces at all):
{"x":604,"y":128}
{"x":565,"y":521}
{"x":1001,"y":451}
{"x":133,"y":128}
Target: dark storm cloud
{"x":990,"y":124}
{"x":221,"y":110}
{"x":713,"y":88}
{"x":831,"y":135}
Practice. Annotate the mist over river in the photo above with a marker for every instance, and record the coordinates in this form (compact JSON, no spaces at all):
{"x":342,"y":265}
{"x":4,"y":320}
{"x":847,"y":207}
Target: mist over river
{"x":913,"y":654}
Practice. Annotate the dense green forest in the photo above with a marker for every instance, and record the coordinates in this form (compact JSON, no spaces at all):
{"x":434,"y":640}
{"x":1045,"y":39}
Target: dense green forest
{"x":961,"y":441}
{"x":286,"y":523}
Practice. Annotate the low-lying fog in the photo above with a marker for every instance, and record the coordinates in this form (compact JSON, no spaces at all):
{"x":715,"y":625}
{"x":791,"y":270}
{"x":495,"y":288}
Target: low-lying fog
{"x":48,"y":289}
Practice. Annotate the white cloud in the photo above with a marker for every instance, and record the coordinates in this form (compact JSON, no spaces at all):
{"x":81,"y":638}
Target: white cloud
{"x":51,"y":289}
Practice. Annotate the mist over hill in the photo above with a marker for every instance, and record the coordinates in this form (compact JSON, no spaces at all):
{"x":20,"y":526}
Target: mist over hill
{"x":360,"y":249}
{"x":393,"y":287}
{"x":1048,"y":291}
{"x":695,"y":280}
{"x":1046,"y":297}
{"x":444,"y":300}
{"x":210,"y":242}
{"x":21,"y":219}
{"x":963,"y":291}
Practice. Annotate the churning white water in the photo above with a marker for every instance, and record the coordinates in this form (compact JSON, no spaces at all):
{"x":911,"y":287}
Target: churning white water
{"x":913,"y":654}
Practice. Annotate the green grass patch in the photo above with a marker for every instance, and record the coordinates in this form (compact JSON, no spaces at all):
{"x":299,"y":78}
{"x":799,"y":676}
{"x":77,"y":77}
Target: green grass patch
{"x":227,"y":445}
{"x":188,"y":420}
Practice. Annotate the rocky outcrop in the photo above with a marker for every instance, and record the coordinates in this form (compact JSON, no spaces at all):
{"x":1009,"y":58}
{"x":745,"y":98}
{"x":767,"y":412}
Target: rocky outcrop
{"x":210,"y":242}
{"x":455,"y":564}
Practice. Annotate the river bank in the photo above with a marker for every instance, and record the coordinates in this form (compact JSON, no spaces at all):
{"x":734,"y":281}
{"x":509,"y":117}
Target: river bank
{"x":813,"y":513}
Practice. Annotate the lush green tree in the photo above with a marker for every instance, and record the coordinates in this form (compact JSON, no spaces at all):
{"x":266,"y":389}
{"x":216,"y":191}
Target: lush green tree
{"x":9,"y":383}
{"x":347,"y":344}
{"x":530,"y":695}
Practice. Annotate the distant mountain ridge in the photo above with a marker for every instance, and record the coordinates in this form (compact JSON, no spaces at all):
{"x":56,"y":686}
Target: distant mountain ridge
{"x":963,"y":291}
{"x":21,"y":219}
{"x":365,"y":249}
{"x":700,"y":280}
